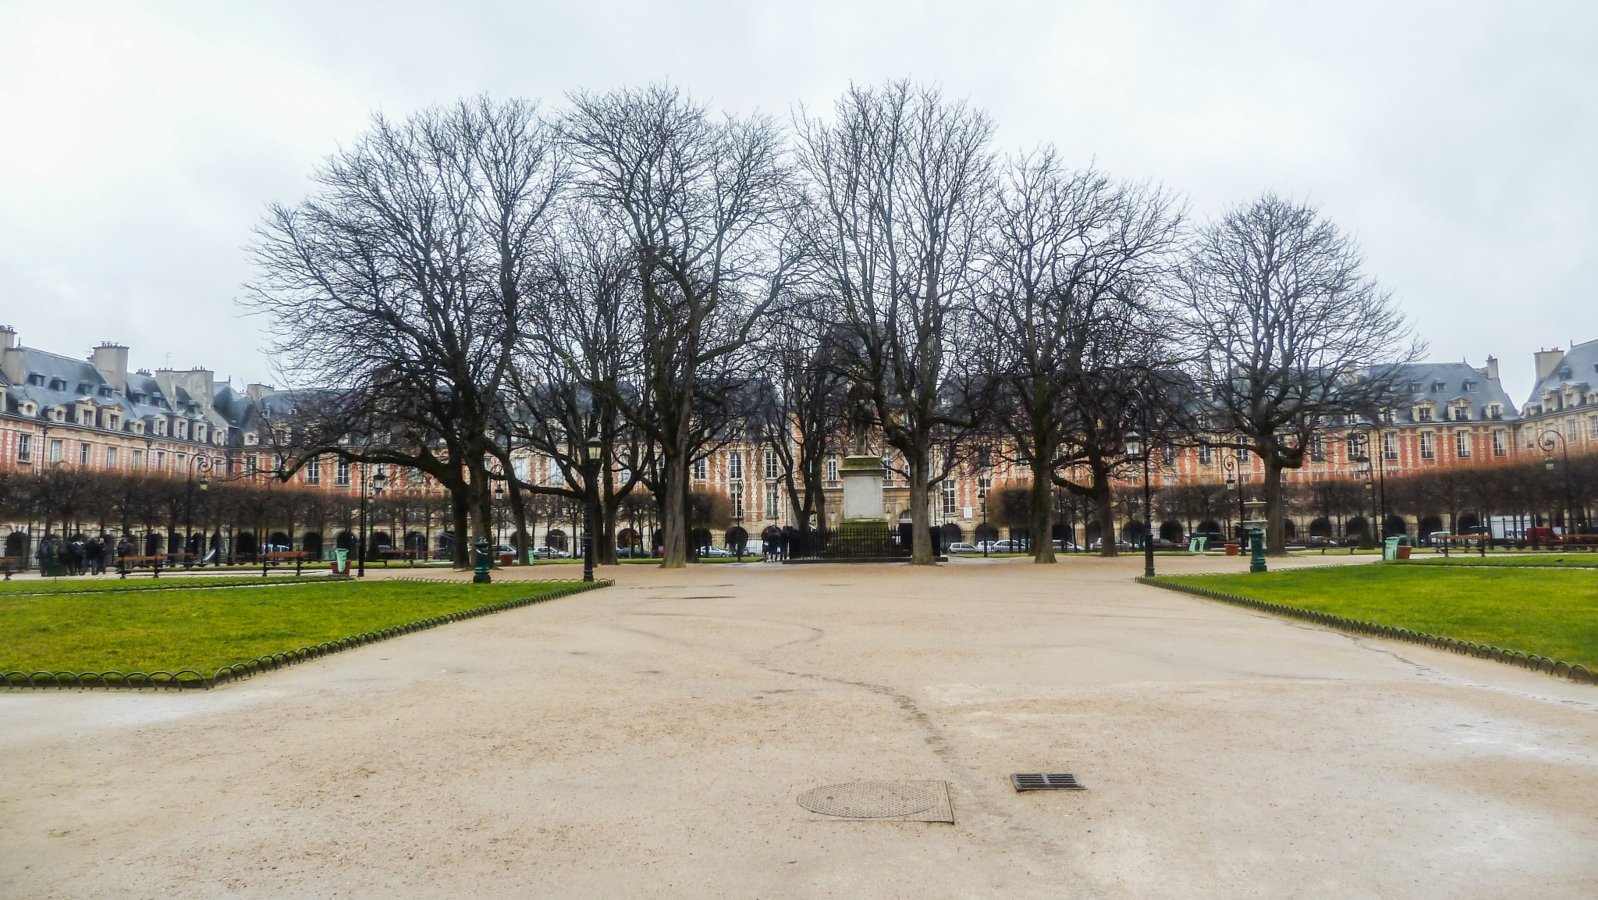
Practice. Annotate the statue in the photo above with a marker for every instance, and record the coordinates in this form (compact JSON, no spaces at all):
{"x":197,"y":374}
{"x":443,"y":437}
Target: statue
{"x":861,"y":417}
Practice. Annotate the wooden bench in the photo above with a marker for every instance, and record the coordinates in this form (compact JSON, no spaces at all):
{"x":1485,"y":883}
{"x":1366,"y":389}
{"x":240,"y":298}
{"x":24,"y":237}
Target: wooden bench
{"x":398,"y":553}
{"x":126,"y":564}
{"x":298,"y":557}
{"x":1576,"y":541}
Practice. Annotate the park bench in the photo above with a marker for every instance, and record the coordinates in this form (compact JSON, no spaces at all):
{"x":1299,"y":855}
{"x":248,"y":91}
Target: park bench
{"x":127,"y":564}
{"x":398,"y":553}
{"x":1577,"y":541}
{"x":280,"y":557}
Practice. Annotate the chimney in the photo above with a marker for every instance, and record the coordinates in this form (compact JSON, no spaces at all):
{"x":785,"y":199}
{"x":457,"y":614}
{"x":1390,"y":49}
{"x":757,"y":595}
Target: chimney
{"x":257,"y":392}
{"x":1492,"y":368}
{"x":111,"y":361}
{"x":11,"y":355}
{"x":1548,"y":362}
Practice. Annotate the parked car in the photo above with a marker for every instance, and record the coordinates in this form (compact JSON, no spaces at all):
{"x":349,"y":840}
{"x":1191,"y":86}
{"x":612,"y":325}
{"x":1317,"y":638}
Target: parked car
{"x":962,"y":547}
{"x":1008,"y":547}
{"x":1065,"y":546}
{"x":717,"y":552}
{"x":632,"y":553}
{"x":549,"y":553}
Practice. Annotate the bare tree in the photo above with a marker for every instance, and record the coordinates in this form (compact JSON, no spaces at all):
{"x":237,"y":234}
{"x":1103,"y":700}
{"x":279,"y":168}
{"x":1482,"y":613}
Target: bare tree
{"x":1074,"y":258}
{"x":399,"y":286}
{"x":702,"y":201}
{"x":1290,"y":334}
{"x":903,"y":180}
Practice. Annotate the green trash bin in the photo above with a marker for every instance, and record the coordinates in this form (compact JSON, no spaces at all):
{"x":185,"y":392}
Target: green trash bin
{"x":1390,"y":548}
{"x":341,"y":561}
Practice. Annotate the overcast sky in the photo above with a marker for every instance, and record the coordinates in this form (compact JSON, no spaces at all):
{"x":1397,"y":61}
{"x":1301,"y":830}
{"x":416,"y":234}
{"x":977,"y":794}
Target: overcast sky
{"x":141,"y":142}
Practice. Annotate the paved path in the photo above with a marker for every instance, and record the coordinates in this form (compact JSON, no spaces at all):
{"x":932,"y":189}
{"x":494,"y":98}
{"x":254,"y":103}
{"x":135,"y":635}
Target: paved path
{"x":650,"y":739}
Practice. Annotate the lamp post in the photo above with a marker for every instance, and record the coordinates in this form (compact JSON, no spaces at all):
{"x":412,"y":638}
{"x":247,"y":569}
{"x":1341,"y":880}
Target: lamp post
{"x":378,"y":479}
{"x":1360,"y":443}
{"x":1546,"y":441}
{"x":984,"y":525}
{"x":591,"y":454}
{"x":1144,"y":443}
{"x":1233,"y":477}
{"x":499,"y":514}
{"x":203,"y":464}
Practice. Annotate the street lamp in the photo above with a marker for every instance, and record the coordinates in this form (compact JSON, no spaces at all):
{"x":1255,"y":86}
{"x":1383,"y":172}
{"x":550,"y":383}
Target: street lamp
{"x":591,"y":453}
{"x":1360,"y":444}
{"x":1143,"y":445}
{"x":499,"y":514}
{"x":1546,"y":442}
{"x":378,"y":480}
{"x":1233,"y":477}
{"x":203,"y":464}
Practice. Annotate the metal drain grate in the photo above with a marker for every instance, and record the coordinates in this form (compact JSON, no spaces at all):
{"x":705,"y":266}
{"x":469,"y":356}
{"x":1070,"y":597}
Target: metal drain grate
{"x":1027,"y":781}
{"x":904,"y":801}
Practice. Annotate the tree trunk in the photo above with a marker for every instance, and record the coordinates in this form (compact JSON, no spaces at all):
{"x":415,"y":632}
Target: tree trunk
{"x":920,"y":520}
{"x":1042,"y":502}
{"x":1275,"y":515}
{"x":1106,"y":512}
{"x":674,"y":510}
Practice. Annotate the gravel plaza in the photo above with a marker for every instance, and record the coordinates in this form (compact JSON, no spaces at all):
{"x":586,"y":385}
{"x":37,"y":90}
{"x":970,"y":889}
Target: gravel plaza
{"x":653,"y":739}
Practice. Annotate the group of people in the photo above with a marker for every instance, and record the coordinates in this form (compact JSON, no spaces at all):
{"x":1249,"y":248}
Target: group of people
{"x":79,"y":556}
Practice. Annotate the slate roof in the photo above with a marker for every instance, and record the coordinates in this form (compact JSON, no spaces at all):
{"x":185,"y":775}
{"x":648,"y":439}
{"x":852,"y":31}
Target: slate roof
{"x":1578,"y":368}
{"x":1443,"y":383}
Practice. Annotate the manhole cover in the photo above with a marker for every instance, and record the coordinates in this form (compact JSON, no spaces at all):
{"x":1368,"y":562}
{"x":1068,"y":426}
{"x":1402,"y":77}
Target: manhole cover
{"x":1027,"y":781}
{"x":916,"y":801}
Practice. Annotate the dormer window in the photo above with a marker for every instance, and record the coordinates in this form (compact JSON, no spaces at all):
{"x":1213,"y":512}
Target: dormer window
{"x":1423,"y":413}
{"x":1564,"y":374}
{"x":1495,"y":411}
{"x":1438,"y":387}
{"x":29,"y":408}
{"x":36,"y":380}
{"x":199,"y":433}
{"x":137,"y":427}
{"x":251,"y":439}
{"x":1470,"y":386}
{"x":57,"y":384}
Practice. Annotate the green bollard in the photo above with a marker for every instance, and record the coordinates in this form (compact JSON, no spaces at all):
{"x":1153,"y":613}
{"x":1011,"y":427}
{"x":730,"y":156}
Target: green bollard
{"x":1256,"y":540}
{"x":480,"y":576}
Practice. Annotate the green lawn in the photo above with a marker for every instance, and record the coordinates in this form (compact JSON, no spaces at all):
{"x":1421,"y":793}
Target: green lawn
{"x":1550,"y":613}
{"x":1539,"y":560}
{"x":205,"y":630}
{"x":146,"y":583}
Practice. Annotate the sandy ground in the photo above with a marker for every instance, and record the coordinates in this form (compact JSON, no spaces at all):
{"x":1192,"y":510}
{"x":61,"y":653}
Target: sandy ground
{"x":650,"y":740}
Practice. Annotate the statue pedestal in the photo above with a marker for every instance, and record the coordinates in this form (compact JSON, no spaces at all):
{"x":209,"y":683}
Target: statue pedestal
{"x":862,"y":488}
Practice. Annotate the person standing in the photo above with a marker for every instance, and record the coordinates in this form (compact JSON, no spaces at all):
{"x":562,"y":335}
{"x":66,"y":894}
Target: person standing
{"x":93,"y":552}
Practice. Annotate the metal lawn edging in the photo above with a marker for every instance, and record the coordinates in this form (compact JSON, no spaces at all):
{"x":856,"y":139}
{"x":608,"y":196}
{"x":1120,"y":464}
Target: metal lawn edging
{"x":186,"y":679}
{"x":1548,"y":666}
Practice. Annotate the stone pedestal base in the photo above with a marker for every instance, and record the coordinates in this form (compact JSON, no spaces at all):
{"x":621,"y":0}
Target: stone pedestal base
{"x":862,"y":488}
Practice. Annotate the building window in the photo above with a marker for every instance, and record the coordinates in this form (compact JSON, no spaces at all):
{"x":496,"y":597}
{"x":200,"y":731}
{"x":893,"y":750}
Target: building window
{"x":1423,"y":413}
{"x":1317,"y":448}
{"x":1168,"y":455}
{"x":24,"y":448}
{"x":110,"y":457}
{"x":55,"y":450}
{"x":771,"y":500}
{"x":313,"y":471}
{"x":1389,"y":446}
{"x":771,"y":465}
{"x":83,"y":454}
{"x":1470,"y":386}
{"x":735,"y":465}
{"x":1242,"y":455}
{"x":1462,"y":444}
{"x":160,"y":460}
{"x":701,"y":469}
{"x":138,"y":460}
{"x":1206,"y":454}
{"x":736,"y":490}
{"x":1438,"y":387}
{"x":1592,"y":427}
{"x":1500,"y":444}
{"x":251,"y":464}
{"x":341,"y":477}
{"x":1428,"y":445}
{"x":887,"y":468}
{"x":832,"y":468}
{"x":1570,"y":429}
{"x":984,"y":484}
{"x":948,"y":499}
